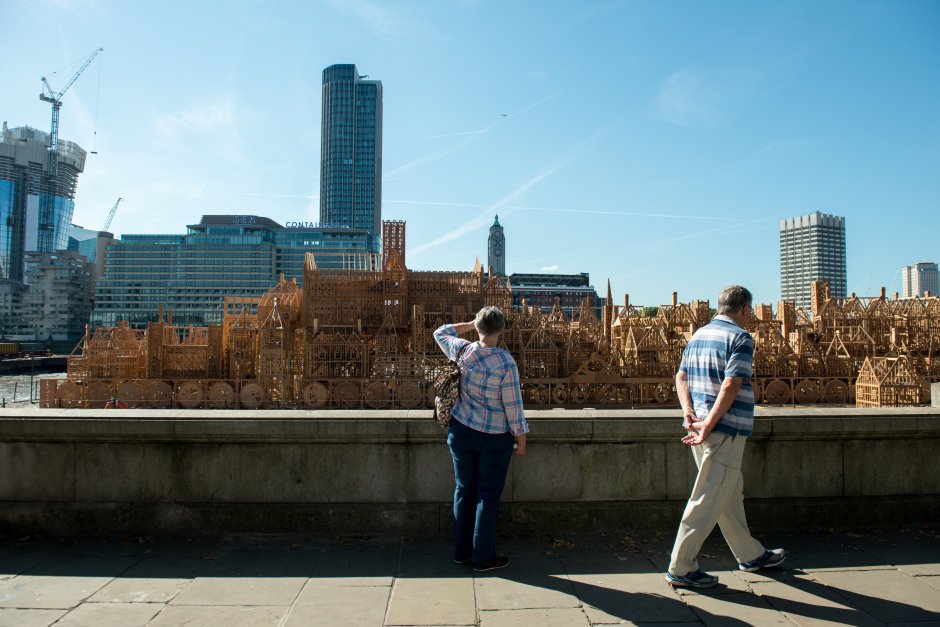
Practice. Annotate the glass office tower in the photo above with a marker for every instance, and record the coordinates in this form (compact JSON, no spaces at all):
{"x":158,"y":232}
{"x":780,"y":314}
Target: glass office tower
{"x":812,"y":248}
{"x":223,"y":255}
{"x":24,"y":166}
{"x":351,"y":151}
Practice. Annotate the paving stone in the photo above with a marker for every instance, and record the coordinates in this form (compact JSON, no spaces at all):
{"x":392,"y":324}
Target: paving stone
{"x":734,"y":610}
{"x":560,"y":617}
{"x":519,"y":591}
{"x":889,"y":595}
{"x":240,"y":591}
{"x":357,"y":564}
{"x":932,"y":580}
{"x":823,"y":551}
{"x":174,"y":616}
{"x":632,"y":597}
{"x":17,"y":558}
{"x":29,"y":618}
{"x":913,"y":555}
{"x":110,"y":615}
{"x":432,"y":601}
{"x":153,"y":580}
{"x":429,"y":556}
{"x":809,"y":603}
{"x":47,"y":592}
{"x":350,"y":607}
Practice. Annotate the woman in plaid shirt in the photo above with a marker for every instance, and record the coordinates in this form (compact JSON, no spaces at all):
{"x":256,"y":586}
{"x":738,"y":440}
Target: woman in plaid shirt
{"x":487,"y":425}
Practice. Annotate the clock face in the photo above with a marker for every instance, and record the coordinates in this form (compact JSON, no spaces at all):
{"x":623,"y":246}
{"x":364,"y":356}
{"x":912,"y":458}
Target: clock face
{"x":498,"y":250}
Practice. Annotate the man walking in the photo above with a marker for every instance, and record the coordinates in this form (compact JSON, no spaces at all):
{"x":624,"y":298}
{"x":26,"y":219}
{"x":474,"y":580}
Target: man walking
{"x":714,"y":387}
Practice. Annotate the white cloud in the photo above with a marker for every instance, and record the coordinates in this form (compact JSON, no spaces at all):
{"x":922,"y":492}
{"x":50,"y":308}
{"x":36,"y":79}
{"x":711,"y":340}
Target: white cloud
{"x":215,"y":123}
{"x":551,"y":268}
{"x":372,"y":15}
{"x":688,"y":98}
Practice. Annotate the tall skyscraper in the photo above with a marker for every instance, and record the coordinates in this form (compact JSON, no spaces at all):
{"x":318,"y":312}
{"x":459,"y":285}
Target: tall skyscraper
{"x":24,"y":166}
{"x":351,"y":151}
{"x":496,"y":249}
{"x":920,"y":278}
{"x":812,"y":248}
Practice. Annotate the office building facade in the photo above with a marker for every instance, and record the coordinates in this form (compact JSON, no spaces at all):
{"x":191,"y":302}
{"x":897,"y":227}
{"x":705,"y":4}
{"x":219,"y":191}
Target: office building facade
{"x":542,"y":291}
{"x":351,"y":150}
{"x":24,"y":186}
{"x":224,"y":255}
{"x":919,"y":279}
{"x":54,"y":303}
{"x":812,"y":248}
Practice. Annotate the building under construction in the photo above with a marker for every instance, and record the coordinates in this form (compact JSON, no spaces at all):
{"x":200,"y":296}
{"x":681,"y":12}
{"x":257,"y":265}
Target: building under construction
{"x":362,"y":338}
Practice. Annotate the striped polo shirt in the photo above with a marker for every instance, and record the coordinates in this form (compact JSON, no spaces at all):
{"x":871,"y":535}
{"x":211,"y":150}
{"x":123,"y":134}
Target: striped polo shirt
{"x":490,"y":399}
{"x":718,"y":350}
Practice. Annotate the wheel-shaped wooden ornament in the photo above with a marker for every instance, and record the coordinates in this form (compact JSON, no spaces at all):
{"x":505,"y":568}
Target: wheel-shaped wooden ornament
{"x":539,"y":394}
{"x":130,"y":394}
{"x":69,"y":395}
{"x":377,"y":395}
{"x":603,"y":394}
{"x":777,"y":392}
{"x":662,"y":392}
{"x":346,"y":395}
{"x":98,"y":394}
{"x":408,"y":395}
{"x":560,"y":394}
{"x":221,"y":395}
{"x":836,"y":392}
{"x":758,"y":387}
{"x":806,"y":392}
{"x":315,"y":395}
{"x":190,"y":394}
{"x":158,"y":395}
{"x":251,"y":396}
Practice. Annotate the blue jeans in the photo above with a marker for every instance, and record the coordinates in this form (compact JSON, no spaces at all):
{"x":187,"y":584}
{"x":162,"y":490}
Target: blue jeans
{"x":481,"y":461}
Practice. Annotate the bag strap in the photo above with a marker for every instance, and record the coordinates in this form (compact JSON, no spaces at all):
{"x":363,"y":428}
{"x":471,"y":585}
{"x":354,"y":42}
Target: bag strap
{"x":460,"y":352}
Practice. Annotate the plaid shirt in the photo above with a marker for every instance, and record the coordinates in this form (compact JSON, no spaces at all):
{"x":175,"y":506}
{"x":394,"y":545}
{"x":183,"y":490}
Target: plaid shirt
{"x":490,"y":399}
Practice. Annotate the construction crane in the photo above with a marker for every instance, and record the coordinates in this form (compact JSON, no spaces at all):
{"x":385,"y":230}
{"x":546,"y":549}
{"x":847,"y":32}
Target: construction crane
{"x":107,"y":222}
{"x":46,"y":200}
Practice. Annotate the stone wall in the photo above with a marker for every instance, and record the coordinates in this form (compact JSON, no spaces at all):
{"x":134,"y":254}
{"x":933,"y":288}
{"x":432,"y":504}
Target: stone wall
{"x":174,"y":472}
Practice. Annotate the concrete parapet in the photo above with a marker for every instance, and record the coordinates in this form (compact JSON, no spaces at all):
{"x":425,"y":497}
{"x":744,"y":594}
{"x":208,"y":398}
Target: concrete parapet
{"x":164,"y":472}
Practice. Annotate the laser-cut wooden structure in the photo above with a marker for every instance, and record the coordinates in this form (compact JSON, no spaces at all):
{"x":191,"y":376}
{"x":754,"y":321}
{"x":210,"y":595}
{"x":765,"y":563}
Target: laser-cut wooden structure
{"x":361,"y":337}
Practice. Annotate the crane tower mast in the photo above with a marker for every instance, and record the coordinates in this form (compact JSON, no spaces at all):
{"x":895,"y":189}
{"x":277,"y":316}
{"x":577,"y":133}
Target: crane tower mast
{"x":47,"y":200}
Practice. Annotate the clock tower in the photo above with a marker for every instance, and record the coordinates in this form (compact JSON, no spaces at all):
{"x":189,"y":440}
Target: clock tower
{"x":496,"y":252}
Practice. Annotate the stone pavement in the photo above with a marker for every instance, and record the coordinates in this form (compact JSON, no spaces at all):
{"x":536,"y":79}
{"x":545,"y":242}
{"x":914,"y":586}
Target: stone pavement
{"x":856,"y":578}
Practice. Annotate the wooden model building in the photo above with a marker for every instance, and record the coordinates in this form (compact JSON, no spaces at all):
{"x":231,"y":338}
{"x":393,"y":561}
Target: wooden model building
{"x":362,"y":338}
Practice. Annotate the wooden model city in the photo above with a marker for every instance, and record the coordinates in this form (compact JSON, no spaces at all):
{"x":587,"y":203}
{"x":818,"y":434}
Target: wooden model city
{"x":362,"y":338}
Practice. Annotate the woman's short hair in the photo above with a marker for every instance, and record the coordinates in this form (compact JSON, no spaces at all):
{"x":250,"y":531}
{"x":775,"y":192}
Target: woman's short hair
{"x":733,"y":298}
{"x":490,"y":321}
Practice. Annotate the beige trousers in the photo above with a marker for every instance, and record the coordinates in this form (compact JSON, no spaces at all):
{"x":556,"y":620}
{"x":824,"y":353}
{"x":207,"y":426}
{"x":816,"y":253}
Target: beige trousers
{"x":717,"y":497}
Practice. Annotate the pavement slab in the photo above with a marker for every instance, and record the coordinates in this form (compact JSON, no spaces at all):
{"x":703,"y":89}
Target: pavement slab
{"x":566,"y":617}
{"x":865,"y":577}
{"x":29,"y":618}
{"x":110,"y":615}
{"x":432,"y":601}
{"x":240,"y":591}
{"x":48,"y":592}
{"x":528,"y":583}
{"x":733,"y":610}
{"x":889,"y":595}
{"x":174,"y":616}
{"x":350,"y":607}
{"x":809,"y":603}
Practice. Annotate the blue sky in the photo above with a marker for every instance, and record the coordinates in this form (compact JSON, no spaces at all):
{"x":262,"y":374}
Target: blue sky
{"x":656,"y":144}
